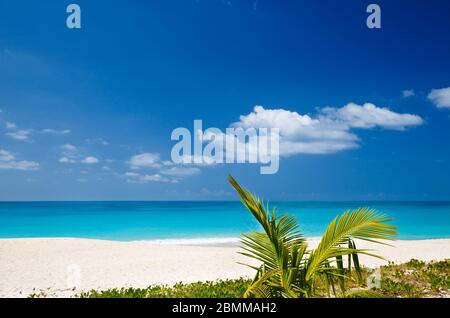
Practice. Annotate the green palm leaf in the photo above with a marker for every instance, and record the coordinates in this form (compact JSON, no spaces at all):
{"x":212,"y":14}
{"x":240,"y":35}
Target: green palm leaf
{"x":364,"y":224}
{"x":288,"y":268}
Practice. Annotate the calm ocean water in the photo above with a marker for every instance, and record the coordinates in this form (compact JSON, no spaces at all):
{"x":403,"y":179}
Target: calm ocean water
{"x":127,"y":221}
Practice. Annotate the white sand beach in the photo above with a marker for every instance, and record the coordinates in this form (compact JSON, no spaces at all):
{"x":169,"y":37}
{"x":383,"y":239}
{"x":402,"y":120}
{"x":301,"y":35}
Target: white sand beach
{"x":54,"y":266}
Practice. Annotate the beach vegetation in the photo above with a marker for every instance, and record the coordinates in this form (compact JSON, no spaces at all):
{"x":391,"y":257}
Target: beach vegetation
{"x":218,"y":289}
{"x":416,"y":279}
{"x":419,"y":279}
{"x":289,"y":268}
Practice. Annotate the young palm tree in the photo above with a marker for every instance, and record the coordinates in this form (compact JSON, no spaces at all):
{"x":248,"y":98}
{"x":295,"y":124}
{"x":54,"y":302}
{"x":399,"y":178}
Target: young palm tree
{"x":288,"y":268}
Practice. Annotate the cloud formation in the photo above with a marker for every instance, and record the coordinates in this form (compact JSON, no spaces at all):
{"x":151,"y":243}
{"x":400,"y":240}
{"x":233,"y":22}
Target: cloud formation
{"x":10,"y":125}
{"x":21,"y":135}
{"x":408,"y":93}
{"x":181,"y":171}
{"x":134,"y":177}
{"x":331,"y":130}
{"x":66,"y":160}
{"x":163,"y":171}
{"x":56,"y":132}
{"x":9,"y":162}
{"x":89,"y":160}
{"x":70,"y":154}
{"x":369,"y":116}
{"x":145,"y":160}
{"x":440,"y":97}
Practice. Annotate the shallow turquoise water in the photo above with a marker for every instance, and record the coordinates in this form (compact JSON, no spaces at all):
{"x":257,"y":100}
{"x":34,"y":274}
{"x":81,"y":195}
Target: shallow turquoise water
{"x":126,"y":221}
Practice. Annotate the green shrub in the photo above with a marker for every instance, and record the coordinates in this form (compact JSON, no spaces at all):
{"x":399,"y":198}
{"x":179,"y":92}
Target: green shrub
{"x":219,"y":289}
{"x":412,"y":279}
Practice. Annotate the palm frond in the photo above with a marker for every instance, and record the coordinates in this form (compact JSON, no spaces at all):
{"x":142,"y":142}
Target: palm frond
{"x":363,"y":224}
{"x":288,"y":268}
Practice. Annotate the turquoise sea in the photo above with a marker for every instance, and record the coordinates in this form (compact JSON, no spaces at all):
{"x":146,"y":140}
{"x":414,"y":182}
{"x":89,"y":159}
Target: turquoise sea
{"x":128,"y":221}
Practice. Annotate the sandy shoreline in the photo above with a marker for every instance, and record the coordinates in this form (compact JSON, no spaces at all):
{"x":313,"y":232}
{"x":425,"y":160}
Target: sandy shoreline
{"x":52,"y":266}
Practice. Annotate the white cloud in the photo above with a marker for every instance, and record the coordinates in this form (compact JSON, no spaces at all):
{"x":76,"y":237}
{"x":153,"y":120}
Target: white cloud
{"x":408,"y":93}
{"x":156,"y":178}
{"x":440,"y":97}
{"x":56,"y":132}
{"x":66,"y":160}
{"x":370,"y":116}
{"x":196,"y":160}
{"x":21,"y":135}
{"x":163,"y":171}
{"x":145,"y":160}
{"x":70,"y":154}
{"x":9,"y":162}
{"x":293,"y":125}
{"x":6,"y":155}
{"x":69,"y":149}
{"x":134,"y":177}
{"x":19,"y":165}
{"x":131,"y":174}
{"x":10,"y":125}
{"x":181,"y":171}
{"x":289,"y":148}
{"x":89,"y":160}
{"x":330,"y":131}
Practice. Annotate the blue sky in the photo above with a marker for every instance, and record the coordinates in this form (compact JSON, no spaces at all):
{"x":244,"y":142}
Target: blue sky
{"x":87,"y":114}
